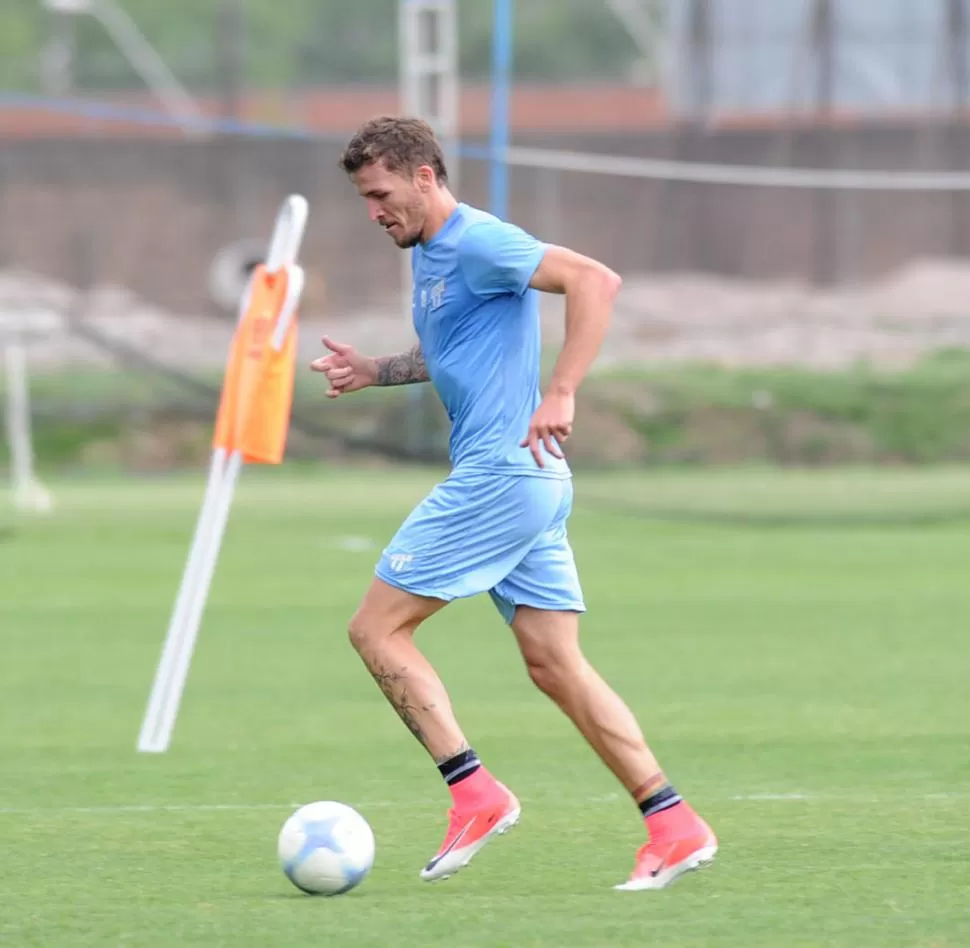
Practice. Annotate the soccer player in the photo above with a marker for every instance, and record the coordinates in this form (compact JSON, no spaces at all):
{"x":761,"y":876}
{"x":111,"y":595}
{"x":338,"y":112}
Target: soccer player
{"x":497,"y":523}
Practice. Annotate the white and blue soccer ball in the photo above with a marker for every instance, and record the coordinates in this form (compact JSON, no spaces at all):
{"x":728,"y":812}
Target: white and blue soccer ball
{"x":326,"y":848}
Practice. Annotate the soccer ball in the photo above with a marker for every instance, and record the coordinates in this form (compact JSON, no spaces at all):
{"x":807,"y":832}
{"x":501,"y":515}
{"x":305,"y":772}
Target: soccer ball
{"x":326,"y":848}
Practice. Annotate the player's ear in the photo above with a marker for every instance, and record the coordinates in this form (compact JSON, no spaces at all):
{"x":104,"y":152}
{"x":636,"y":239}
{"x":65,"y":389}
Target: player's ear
{"x":424,"y":178}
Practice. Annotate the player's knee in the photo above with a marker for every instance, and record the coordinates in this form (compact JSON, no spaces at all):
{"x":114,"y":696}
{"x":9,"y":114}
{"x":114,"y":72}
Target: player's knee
{"x":546,"y":677}
{"x":550,"y":648}
{"x":369,"y":631}
{"x":363,"y":632}
{"x":552,"y":670}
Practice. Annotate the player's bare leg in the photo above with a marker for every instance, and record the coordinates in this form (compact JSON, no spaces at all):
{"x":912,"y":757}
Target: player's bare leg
{"x":382,"y":632}
{"x":679,"y":839}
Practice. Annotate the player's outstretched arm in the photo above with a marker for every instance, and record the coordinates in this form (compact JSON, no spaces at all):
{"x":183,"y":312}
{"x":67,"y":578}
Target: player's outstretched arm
{"x":590,"y":288}
{"x":347,"y":370}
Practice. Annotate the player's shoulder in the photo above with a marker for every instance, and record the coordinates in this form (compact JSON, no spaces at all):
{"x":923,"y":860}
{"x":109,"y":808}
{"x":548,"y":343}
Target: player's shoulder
{"x":474,"y":219}
{"x":481,"y":232}
{"x":496,"y":258}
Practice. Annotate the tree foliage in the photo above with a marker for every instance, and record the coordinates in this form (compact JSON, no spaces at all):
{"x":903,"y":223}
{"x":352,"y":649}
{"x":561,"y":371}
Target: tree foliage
{"x":301,"y":42}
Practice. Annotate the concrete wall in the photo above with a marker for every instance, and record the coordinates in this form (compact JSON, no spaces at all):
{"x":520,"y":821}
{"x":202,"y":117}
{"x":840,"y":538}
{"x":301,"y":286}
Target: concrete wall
{"x":150,"y":215}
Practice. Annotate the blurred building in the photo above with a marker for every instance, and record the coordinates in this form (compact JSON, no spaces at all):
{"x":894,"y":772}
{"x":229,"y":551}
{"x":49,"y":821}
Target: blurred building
{"x":829,"y":84}
{"x":768,"y":57}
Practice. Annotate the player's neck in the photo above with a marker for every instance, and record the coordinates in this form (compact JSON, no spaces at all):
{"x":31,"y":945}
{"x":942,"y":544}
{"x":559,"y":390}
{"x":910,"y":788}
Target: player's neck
{"x":441,"y":207}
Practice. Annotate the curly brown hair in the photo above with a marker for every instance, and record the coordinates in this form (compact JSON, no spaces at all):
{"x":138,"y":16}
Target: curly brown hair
{"x":404,"y":144}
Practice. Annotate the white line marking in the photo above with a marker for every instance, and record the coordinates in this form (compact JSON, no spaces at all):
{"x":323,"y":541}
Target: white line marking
{"x":352,"y":544}
{"x":184,"y":808}
{"x":794,"y":797}
{"x":757,"y":797}
{"x":847,"y":796}
{"x":148,"y":808}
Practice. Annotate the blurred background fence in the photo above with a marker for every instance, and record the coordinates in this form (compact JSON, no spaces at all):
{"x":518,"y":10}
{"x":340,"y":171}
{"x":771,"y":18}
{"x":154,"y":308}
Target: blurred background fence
{"x":144,"y":148}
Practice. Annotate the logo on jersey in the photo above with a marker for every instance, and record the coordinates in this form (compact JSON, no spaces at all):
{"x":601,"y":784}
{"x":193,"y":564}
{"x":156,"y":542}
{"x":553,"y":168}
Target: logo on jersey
{"x":436,"y":294}
{"x":399,"y":560}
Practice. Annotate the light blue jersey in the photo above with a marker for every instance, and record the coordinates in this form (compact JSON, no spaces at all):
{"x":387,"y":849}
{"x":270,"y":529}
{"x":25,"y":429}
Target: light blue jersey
{"x":477,"y":321}
{"x":497,"y":524}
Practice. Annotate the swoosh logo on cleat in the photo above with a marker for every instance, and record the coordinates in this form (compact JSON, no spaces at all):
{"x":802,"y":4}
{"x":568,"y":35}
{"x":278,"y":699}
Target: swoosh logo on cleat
{"x":461,"y":835}
{"x":663,"y":862}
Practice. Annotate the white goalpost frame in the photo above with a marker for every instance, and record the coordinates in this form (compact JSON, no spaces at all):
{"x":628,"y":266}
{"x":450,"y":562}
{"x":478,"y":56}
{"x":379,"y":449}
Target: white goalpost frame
{"x":428,"y":88}
{"x":28,"y":493}
{"x":428,"y":85}
{"x":173,"y":667}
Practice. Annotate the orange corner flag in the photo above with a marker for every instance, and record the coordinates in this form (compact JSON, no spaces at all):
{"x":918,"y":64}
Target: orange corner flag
{"x":251,"y":426}
{"x":257,"y":394}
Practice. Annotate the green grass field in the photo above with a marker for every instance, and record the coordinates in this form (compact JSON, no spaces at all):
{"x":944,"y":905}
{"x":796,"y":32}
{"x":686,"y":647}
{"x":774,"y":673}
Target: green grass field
{"x":805,"y":684}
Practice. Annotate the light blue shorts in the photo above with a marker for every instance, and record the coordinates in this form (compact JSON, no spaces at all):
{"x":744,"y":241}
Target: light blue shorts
{"x":482,"y":532}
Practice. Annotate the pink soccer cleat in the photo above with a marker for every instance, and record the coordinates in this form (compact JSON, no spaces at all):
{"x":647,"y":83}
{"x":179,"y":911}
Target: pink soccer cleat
{"x":665,"y":859}
{"x":470,"y":829}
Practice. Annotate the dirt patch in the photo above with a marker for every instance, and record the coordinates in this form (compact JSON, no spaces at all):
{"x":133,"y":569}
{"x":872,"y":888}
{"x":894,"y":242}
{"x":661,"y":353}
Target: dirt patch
{"x":658,"y":319}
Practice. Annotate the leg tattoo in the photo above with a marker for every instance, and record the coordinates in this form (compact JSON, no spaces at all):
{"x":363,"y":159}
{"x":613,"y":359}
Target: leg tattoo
{"x":462,"y":748}
{"x":394,"y":686}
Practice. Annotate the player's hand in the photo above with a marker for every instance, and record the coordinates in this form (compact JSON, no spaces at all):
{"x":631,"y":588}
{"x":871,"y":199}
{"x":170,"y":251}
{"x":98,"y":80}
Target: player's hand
{"x":345,"y":368}
{"x":551,"y":425}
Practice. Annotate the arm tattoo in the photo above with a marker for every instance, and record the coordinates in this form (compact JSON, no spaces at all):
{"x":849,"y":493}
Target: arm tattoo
{"x":403,"y":368}
{"x":394,"y":686}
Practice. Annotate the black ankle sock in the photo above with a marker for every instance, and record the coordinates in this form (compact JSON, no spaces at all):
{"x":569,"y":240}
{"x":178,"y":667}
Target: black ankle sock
{"x":457,"y":768}
{"x":663,"y":799}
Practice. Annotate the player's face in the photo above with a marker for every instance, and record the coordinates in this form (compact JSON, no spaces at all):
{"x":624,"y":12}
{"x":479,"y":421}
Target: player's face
{"x":395,"y":201}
